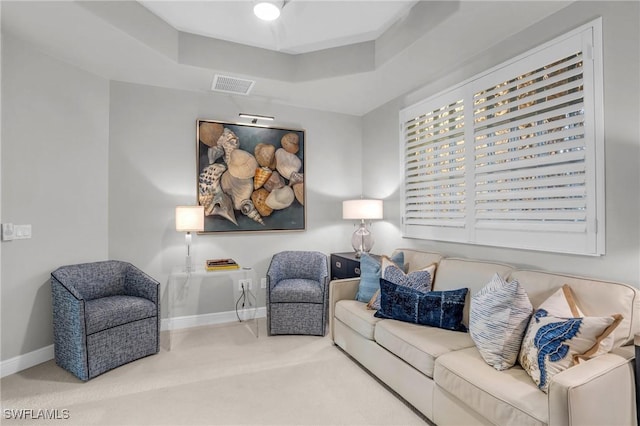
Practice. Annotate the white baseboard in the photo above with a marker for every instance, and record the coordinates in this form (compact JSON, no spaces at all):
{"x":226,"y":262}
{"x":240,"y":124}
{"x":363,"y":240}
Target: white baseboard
{"x":28,"y":360}
{"x":177,"y":323}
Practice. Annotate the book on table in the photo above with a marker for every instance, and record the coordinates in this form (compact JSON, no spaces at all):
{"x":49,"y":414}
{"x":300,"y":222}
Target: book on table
{"x":221,"y":264}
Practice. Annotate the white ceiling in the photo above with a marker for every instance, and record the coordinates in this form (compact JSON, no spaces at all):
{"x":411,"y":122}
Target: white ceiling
{"x":124,"y":41}
{"x":304,"y":25}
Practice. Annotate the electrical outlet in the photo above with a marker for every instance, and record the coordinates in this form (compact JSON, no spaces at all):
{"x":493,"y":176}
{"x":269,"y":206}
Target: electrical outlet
{"x":246,"y":283}
{"x":263,"y":283}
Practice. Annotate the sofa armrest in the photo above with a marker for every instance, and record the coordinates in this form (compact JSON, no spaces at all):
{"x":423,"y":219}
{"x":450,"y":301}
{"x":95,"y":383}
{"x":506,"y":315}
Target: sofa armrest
{"x":340,"y":290}
{"x":636,"y":340}
{"x":582,"y":394}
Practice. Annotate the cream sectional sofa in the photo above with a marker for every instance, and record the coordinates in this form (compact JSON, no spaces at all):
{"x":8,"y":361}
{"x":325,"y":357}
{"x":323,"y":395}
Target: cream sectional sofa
{"x":442,"y":374}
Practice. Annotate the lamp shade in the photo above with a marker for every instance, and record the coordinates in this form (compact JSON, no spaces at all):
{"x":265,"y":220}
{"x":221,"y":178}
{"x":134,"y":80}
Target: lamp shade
{"x":362,"y":209}
{"x":190,"y":218}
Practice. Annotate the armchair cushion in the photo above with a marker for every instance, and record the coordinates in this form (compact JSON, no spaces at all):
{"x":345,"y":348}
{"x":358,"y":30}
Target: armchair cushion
{"x":297,"y":290}
{"x":112,"y":311}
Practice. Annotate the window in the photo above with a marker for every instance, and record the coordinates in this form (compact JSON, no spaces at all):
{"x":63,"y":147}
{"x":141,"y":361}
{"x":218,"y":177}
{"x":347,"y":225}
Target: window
{"x":514,"y":156}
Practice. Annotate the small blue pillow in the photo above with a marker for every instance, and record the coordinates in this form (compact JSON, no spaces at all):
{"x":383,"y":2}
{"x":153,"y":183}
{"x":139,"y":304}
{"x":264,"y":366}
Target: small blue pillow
{"x":370,"y":275}
{"x":442,"y":309}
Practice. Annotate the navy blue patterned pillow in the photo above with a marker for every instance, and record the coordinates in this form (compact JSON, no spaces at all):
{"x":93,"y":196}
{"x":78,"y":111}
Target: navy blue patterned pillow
{"x":442,"y":309}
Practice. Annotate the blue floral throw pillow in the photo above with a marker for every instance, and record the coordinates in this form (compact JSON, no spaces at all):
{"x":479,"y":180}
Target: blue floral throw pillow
{"x":442,"y":309}
{"x":370,"y":275}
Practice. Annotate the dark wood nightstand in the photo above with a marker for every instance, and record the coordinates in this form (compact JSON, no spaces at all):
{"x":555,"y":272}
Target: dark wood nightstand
{"x":345,"y":265}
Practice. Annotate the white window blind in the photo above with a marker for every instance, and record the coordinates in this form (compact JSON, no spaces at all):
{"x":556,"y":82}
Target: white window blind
{"x":512,"y":157}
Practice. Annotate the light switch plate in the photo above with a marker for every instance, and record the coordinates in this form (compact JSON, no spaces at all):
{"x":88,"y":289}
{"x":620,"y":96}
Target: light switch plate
{"x":7,"y":231}
{"x":22,"y":232}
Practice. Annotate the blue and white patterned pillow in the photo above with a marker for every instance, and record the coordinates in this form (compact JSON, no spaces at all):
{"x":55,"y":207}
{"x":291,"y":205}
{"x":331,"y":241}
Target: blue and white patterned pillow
{"x":498,"y":318}
{"x":420,"y":280}
{"x":370,"y":272}
{"x":563,"y":304}
{"x":442,"y":309}
{"x":552,"y":344}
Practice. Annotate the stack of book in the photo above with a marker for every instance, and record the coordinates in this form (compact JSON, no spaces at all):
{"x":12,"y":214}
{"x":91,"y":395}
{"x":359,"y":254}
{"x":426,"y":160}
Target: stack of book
{"x":221,"y":264}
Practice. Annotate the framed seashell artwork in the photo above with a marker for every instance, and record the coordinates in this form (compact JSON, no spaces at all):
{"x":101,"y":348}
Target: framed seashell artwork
{"x":250,"y":178}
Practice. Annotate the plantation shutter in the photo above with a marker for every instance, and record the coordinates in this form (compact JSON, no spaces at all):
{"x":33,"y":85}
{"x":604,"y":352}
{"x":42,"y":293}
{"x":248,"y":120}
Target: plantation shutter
{"x":434,"y":158}
{"x":513,"y":157}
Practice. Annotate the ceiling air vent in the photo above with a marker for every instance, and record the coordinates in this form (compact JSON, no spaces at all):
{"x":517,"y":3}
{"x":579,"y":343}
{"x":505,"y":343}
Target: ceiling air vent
{"x":228,"y":84}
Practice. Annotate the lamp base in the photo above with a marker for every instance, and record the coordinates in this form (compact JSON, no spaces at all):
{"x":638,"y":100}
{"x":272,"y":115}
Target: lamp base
{"x":188,"y":264}
{"x":362,"y":240}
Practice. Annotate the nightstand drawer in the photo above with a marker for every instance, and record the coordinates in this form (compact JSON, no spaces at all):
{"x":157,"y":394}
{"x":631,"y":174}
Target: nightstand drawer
{"x":344,"y":265}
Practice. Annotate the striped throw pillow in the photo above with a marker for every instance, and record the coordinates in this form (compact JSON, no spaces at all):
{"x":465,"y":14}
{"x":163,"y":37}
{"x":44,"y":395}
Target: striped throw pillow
{"x":498,"y":320}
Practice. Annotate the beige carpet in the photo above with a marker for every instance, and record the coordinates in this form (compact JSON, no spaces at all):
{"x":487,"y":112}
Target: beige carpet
{"x":214,"y":375}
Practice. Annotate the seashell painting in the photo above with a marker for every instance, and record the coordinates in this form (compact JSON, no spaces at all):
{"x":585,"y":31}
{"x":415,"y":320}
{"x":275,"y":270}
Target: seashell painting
{"x":229,"y":142}
{"x":210,"y":193}
{"x":290,"y":143}
{"x":298,"y":191}
{"x":248,"y":209}
{"x":214,"y":152}
{"x":287,"y":163}
{"x":259,"y":198}
{"x":296,"y":178}
{"x":238,"y":189}
{"x":209,"y":133}
{"x":250,"y":178}
{"x":266,"y":155}
{"x":280,"y":198}
{"x":262,"y":175}
{"x":242,"y":164}
{"x":275,"y":181}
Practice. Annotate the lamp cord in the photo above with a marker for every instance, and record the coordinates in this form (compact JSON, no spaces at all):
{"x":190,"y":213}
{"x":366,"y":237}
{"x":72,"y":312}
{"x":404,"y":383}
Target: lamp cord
{"x":242,"y":297}
{"x":245,"y":296}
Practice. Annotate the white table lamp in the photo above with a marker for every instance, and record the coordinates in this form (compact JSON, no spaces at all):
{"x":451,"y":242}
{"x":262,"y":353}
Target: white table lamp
{"x":362,"y":210}
{"x":189,"y":219}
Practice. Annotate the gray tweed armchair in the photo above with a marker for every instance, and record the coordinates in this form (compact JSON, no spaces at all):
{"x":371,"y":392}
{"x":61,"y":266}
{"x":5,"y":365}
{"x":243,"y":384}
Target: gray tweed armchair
{"x":105,"y":314}
{"x":297,"y":293}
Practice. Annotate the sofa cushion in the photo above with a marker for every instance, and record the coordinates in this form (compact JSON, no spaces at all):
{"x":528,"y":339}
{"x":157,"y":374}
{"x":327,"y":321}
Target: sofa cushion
{"x":498,"y":319}
{"x":506,"y":397}
{"x":356,"y":315}
{"x":553,"y":344}
{"x":417,"y":259}
{"x":435,"y":308}
{"x":419,"y":345}
{"x":370,"y":272}
{"x":112,"y":311}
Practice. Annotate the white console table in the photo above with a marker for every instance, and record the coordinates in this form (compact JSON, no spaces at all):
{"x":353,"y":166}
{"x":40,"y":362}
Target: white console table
{"x":203,"y":297}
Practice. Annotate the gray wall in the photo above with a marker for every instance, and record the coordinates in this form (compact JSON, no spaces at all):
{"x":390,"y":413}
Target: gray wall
{"x":152,"y":169}
{"x":97,"y":168}
{"x":381,"y":169}
{"x":55,"y":139}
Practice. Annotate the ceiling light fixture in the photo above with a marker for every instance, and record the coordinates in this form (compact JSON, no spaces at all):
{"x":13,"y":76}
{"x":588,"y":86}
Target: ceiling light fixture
{"x":254,"y":117}
{"x":268,"y":10}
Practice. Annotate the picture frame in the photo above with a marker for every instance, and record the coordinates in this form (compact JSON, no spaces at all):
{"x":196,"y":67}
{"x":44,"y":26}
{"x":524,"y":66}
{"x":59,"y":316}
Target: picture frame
{"x":250,"y":178}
